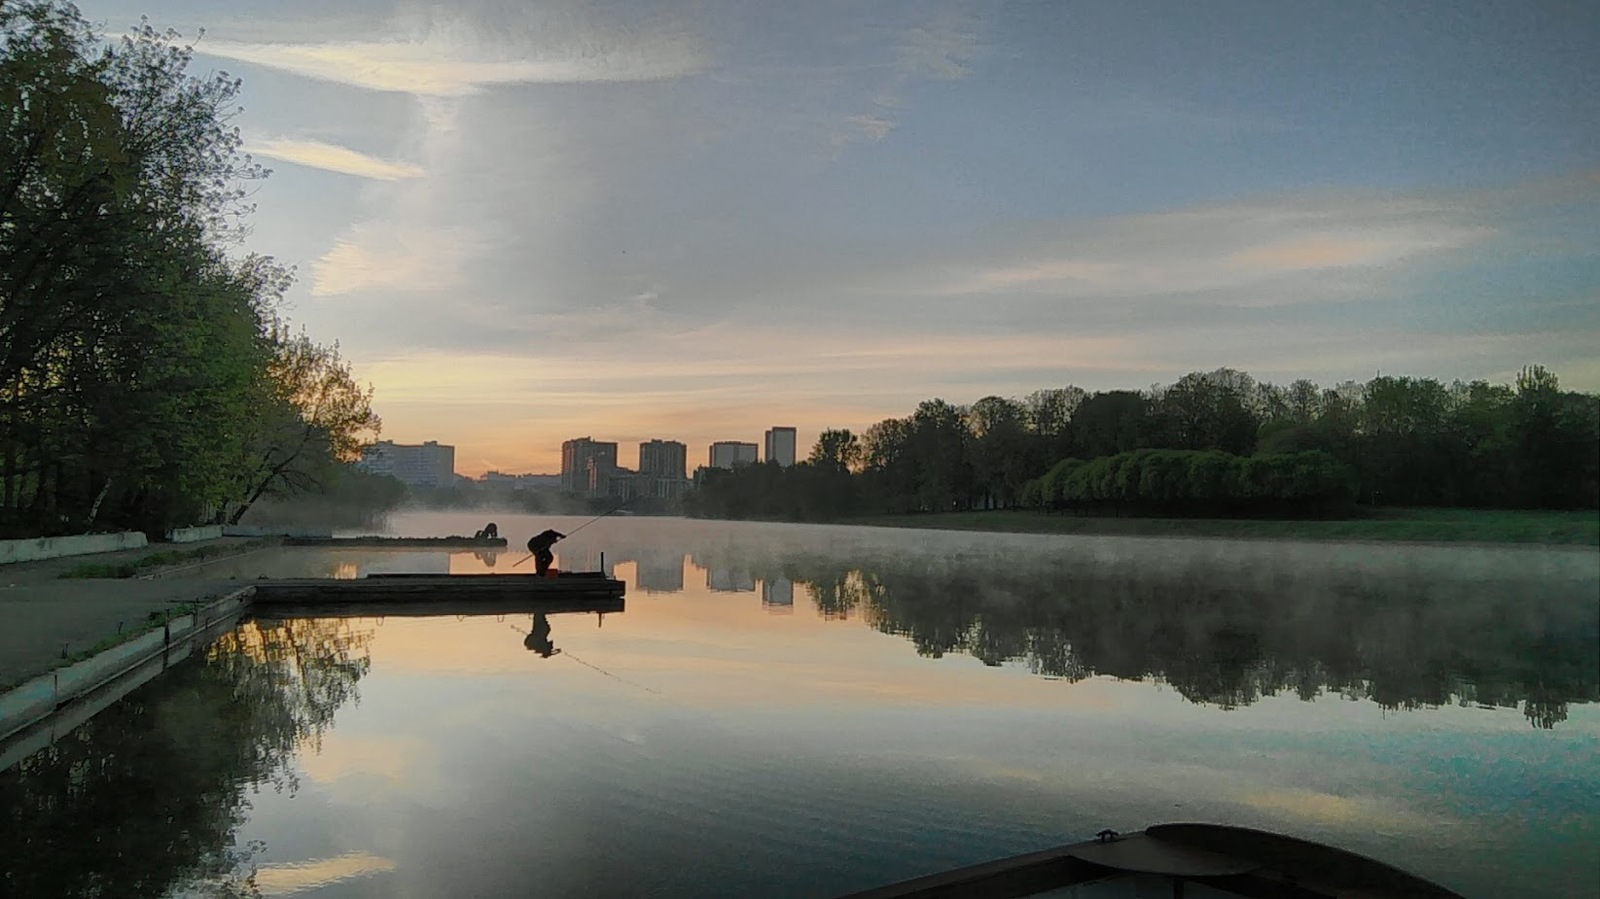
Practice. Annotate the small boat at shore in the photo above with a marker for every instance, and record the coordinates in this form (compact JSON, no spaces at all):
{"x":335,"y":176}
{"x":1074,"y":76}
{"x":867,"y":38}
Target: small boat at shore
{"x":1183,"y":861}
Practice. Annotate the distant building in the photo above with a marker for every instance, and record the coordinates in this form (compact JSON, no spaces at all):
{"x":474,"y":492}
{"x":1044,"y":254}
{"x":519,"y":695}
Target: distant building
{"x":581,"y":459}
{"x":728,"y":453}
{"x":664,"y":459}
{"x":521,"y":481}
{"x":430,"y":464}
{"x":780,"y":446}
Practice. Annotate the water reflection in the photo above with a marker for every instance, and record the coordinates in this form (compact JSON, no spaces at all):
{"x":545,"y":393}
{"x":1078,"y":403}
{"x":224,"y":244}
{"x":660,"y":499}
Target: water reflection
{"x":1220,"y":635}
{"x":144,"y":799}
{"x":538,"y":639}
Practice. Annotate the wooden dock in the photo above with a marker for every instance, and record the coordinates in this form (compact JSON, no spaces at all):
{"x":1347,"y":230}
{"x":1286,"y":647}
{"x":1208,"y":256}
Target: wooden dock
{"x":482,"y":593}
{"x":378,"y":606}
{"x":400,"y":542}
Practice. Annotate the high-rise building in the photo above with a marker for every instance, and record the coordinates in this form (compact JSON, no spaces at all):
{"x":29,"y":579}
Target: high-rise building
{"x":728,"y":453}
{"x":576,"y":456}
{"x":429,"y":464}
{"x":780,"y":446}
{"x":664,"y":459}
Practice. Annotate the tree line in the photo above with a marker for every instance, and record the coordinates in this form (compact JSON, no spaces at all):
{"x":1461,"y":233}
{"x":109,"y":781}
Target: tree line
{"x":147,"y":376}
{"x":1215,"y":442}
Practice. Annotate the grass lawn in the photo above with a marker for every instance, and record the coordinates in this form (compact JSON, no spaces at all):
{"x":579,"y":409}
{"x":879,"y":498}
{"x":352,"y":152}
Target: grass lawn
{"x":1430,"y":525}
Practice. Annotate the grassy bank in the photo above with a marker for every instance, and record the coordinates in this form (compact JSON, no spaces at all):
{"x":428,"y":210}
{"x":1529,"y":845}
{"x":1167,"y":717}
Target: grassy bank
{"x":1422,"y":525}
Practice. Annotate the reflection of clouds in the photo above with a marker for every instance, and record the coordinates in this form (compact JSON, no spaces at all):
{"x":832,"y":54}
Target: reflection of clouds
{"x":1380,"y":813}
{"x":342,"y":756}
{"x":287,"y":879}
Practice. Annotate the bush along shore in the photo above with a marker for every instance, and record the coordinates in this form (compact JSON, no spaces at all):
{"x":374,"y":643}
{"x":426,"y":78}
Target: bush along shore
{"x":1214,"y":446}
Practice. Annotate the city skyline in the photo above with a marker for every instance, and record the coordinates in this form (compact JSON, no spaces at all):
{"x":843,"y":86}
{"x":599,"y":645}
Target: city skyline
{"x":522,"y":219}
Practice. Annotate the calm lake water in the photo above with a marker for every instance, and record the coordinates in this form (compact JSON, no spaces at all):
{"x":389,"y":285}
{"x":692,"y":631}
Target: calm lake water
{"x":788,"y":710}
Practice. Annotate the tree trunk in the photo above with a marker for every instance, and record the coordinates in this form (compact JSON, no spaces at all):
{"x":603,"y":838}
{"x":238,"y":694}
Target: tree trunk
{"x":94,"y":508}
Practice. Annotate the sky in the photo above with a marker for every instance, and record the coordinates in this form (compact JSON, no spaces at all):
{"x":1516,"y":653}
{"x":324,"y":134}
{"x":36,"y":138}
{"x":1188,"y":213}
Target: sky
{"x":528,"y":221}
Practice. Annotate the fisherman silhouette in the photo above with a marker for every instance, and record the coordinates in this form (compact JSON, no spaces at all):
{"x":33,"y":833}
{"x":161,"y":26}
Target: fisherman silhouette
{"x":539,"y":544}
{"x":490,"y":530}
{"x":538,"y":639}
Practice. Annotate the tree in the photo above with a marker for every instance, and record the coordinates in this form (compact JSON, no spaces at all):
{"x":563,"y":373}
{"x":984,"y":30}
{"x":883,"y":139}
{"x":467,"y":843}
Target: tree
{"x":1002,"y":454}
{"x":313,"y":412}
{"x":837,"y":450}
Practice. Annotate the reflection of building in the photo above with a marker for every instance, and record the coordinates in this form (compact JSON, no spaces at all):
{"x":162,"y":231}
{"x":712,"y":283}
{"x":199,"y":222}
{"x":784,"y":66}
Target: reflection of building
{"x":430,"y":464}
{"x":582,"y":559}
{"x":728,"y":453}
{"x":586,"y":464}
{"x":727,"y":580}
{"x":660,"y":572}
{"x":780,"y":446}
{"x":406,"y":563}
{"x":778,"y":596}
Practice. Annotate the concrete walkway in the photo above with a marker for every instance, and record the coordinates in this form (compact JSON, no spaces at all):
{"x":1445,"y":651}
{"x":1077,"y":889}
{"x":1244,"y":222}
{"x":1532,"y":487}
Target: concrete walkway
{"x":45,"y":618}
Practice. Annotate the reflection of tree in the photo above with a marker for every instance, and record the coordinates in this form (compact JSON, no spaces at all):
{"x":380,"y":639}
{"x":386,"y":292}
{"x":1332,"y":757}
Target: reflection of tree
{"x":143,"y":799}
{"x":1220,"y":635}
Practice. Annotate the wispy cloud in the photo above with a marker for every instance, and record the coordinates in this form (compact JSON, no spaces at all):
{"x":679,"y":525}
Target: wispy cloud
{"x":941,"y":46}
{"x":454,"y":58}
{"x":437,"y":68}
{"x":1233,"y":247}
{"x":333,"y":158}
{"x":395,"y":258}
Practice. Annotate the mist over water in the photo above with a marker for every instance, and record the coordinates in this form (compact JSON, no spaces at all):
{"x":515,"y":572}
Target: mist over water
{"x":794,"y":710}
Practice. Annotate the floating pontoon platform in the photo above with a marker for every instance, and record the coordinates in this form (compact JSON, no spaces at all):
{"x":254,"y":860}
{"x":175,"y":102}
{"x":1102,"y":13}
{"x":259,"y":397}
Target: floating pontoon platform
{"x":466,"y":593}
{"x":401,"y":542}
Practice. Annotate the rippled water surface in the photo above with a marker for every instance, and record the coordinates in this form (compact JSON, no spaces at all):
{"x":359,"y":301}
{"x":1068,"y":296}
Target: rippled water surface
{"x":787,"y":710}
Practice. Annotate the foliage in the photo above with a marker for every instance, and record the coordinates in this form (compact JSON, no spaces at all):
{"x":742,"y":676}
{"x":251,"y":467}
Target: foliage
{"x":1213,"y":443}
{"x":1190,"y":481}
{"x":145,"y":378}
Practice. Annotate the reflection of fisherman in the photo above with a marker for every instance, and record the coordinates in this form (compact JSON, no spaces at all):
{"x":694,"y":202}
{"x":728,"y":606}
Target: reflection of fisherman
{"x":539,"y":544}
{"x":538,"y":638}
{"x":486,"y":556}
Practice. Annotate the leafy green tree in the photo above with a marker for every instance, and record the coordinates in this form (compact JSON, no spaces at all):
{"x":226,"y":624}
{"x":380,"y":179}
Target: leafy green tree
{"x":837,"y":450}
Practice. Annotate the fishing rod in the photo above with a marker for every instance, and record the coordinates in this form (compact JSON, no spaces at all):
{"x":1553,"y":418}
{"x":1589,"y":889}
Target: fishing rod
{"x":569,"y":655}
{"x":598,"y":517}
{"x":579,"y":528}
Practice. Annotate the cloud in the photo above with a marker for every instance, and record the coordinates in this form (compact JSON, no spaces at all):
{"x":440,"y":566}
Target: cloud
{"x":397,"y":258}
{"x":1276,"y":250}
{"x":940,"y":45}
{"x":333,"y":158}
{"x":446,"y":63}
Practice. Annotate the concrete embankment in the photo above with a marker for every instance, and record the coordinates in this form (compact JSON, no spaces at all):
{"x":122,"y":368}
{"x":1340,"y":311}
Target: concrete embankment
{"x":39,"y":548}
{"x":127,"y":664}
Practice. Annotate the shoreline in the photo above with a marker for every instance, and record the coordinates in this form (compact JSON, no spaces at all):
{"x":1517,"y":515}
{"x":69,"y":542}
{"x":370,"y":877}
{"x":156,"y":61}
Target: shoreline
{"x":1444,"y":527}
